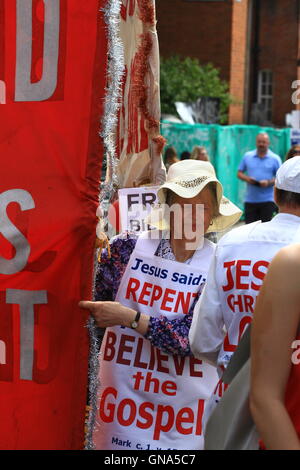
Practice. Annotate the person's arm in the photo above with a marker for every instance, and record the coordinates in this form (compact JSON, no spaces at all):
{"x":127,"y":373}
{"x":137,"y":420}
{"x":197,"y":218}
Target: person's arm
{"x":109,"y":314}
{"x":274,"y":328}
{"x":206,"y":334}
{"x":110,"y":269}
{"x":266,"y":183}
{"x":171,"y":336}
{"x":242,"y":176}
{"x":241,"y":172}
{"x":271,"y":182}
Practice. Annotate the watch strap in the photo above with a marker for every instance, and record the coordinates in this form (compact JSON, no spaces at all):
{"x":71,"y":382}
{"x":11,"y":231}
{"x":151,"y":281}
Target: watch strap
{"x":135,"y":322}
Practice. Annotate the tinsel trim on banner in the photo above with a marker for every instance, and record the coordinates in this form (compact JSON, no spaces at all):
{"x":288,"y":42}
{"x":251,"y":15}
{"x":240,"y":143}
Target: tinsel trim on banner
{"x":115,"y":71}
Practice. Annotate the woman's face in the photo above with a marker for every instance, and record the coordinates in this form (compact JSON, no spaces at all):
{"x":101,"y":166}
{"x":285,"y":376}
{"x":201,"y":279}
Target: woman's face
{"x":296,"y":150}
{"x":195,"y":220}
{"x":172,"y":159}
{"x":202,"y":155}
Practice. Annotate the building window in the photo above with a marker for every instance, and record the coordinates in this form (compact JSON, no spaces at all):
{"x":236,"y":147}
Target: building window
{"x":265,"y":92}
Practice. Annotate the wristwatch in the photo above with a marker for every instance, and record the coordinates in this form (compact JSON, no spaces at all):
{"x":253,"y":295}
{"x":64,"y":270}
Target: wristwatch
{"x":135,"y":322}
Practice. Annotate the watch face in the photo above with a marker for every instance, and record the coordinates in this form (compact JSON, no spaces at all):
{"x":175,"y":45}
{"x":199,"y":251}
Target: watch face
{"x":134,"y":324}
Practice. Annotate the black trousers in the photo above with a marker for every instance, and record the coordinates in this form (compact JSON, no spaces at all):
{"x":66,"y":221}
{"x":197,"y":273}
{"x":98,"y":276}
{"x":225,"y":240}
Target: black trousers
{"x":263,"y":211}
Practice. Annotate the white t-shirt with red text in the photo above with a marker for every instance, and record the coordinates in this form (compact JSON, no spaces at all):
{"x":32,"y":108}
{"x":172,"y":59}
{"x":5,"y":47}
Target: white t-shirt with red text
{"x":236,"y":274}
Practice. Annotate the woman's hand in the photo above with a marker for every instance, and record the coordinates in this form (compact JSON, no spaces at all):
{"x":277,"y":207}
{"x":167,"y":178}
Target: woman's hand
{"x":109,"y":313}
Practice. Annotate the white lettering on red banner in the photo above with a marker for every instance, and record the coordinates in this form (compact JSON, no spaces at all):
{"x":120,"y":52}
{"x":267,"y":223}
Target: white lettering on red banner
{"x":23,"y":298}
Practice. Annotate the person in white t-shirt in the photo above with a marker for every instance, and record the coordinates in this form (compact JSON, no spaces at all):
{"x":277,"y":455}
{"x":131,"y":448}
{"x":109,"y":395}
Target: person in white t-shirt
{"x":236,"y":274}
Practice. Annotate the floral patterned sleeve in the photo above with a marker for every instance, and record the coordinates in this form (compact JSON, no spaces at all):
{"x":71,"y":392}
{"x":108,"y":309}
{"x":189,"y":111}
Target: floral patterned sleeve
{"x":171,"y":336}
{"x":110,"y":270}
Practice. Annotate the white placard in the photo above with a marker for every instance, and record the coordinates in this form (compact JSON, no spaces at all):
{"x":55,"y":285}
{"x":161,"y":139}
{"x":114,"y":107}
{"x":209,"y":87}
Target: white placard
{"x":149,"y":399}
{"x":135,"y":204}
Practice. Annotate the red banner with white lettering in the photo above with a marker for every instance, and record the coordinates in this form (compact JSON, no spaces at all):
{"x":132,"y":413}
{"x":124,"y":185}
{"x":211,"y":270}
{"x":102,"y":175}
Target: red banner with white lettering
{"x":52,"y":78}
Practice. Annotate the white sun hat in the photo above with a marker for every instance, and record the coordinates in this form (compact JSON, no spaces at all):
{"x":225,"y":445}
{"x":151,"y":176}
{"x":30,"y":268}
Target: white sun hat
{"x":187,"y":178}
{"x":288,"y":175}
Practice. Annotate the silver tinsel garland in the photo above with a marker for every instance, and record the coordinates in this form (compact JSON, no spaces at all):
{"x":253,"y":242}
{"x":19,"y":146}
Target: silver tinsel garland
{"x":115,"y":72}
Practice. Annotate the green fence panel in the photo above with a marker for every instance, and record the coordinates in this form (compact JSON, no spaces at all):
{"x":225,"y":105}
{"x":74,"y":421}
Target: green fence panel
{"x":185,"y":136}
{"x":226,"y":146}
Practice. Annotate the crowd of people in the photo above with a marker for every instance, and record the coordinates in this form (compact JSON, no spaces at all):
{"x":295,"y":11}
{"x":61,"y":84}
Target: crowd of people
{"x":198,"y":153}
{"x":175,"y":305}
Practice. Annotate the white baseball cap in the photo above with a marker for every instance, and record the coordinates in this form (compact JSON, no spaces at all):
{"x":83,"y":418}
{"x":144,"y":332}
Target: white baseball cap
{"x":288,"y":175}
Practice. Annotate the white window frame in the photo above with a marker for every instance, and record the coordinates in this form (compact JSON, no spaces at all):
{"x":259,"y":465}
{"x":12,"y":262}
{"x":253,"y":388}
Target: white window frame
{"x":265,"y":78}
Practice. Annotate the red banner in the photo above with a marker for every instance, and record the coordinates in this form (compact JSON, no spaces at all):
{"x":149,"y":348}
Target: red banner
{"x":52,"y":77}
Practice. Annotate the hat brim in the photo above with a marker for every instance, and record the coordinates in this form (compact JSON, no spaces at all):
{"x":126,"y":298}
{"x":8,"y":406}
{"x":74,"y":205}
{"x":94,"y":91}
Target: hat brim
{"x":228,"y":213}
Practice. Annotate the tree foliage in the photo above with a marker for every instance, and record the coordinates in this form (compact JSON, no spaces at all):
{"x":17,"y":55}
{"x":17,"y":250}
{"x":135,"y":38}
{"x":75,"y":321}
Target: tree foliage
{"x":186,"y":80}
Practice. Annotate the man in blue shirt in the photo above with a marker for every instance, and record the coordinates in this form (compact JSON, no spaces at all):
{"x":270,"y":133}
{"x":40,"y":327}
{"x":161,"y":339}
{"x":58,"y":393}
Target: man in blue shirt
{"x":258,"y":168}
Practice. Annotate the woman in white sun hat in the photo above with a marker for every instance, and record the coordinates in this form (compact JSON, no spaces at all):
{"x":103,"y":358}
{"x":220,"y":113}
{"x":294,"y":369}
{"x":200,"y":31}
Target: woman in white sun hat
{"x":152,"y":390}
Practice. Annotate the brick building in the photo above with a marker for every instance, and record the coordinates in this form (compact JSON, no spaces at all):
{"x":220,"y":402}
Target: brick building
{"x":254,"y":43}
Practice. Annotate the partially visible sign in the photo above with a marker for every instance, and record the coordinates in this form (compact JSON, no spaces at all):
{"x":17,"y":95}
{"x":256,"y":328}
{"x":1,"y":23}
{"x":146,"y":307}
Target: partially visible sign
{"x":205,"y":110}
{"x":135,"y":205}
{"x":295,"y":137}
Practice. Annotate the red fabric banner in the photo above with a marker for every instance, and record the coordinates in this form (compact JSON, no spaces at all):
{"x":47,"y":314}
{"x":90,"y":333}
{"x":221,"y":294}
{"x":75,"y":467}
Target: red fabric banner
{"x":52,"y":72}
